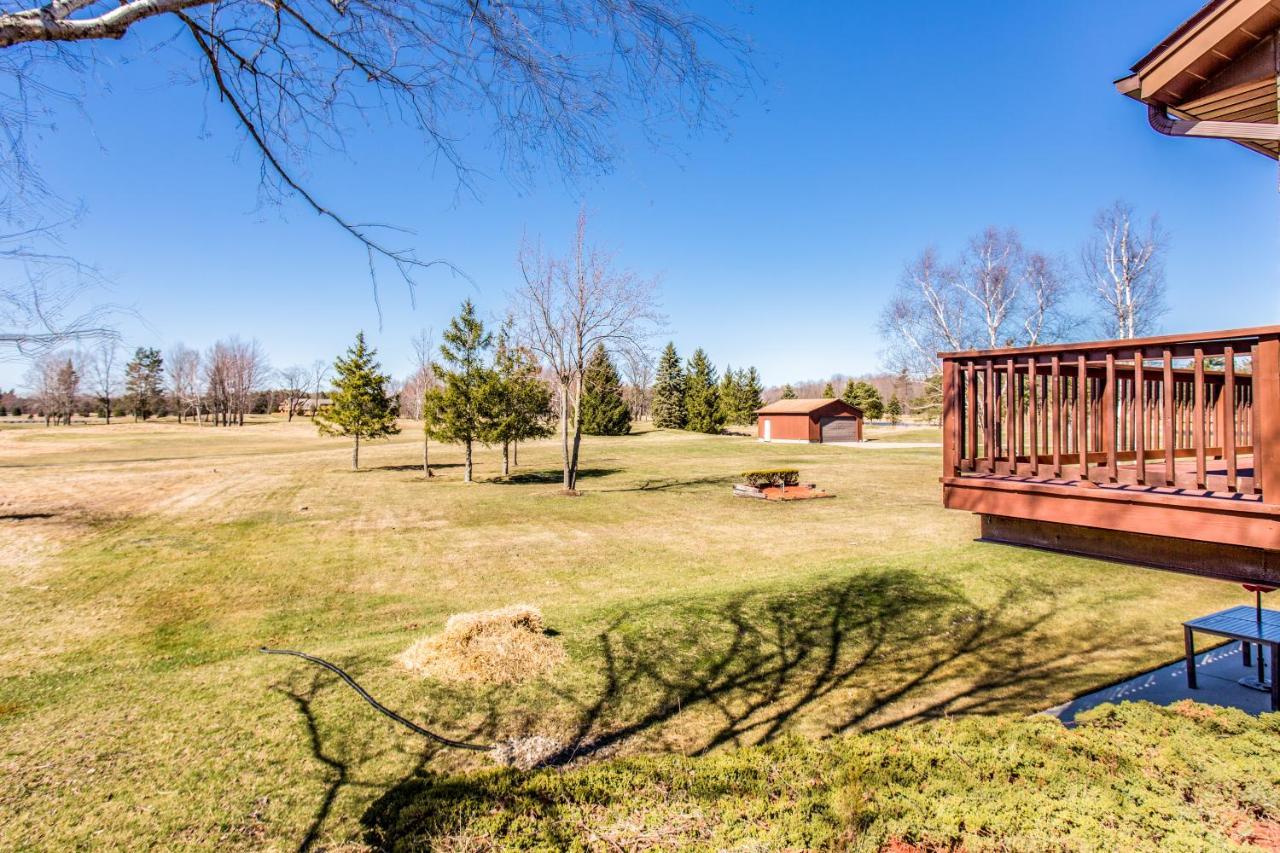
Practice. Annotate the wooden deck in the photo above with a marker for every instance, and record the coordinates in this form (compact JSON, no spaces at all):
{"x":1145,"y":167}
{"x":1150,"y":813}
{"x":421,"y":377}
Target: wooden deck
{"x":1089,"y":445}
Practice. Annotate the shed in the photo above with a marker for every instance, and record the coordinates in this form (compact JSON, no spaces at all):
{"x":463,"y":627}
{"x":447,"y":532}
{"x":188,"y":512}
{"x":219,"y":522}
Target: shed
{"x":822,"y":420}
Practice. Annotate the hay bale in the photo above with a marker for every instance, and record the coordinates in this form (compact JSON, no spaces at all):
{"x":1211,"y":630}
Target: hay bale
{"x":506,"y":646}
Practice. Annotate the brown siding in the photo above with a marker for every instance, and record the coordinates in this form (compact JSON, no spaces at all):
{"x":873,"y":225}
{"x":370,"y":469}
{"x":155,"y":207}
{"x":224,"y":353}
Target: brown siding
{"x":787,"y":427}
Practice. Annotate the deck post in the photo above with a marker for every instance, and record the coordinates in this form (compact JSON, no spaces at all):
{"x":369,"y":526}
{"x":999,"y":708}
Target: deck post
{"x":951,"y":410}
{"x":1266,"y":418}
{"x":1109,"y":419}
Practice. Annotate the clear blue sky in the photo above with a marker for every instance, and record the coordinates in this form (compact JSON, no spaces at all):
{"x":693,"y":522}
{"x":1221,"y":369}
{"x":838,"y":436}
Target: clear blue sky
{"x":877,"y":131}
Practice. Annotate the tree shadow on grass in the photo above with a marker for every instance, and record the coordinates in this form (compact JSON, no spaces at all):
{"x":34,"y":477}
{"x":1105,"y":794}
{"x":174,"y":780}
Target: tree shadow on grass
{"x":880,"y":649}
{"x":550,"y":476}
{"x":414,"y":467}
{"x":676,"y":484}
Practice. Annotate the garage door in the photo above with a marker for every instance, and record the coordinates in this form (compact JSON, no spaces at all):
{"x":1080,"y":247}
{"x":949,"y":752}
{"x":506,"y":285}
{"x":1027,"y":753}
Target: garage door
{"x":839,"y":429}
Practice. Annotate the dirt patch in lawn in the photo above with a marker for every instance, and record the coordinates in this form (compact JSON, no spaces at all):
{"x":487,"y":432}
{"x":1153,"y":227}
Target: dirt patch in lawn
{"x":506,"y":646}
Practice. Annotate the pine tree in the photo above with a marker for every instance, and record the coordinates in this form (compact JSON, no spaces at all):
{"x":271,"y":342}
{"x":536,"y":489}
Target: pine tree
{"x":143,"y":378}
{"x":894,"y":410}
{"x":750,"y":393}
{"x":604,"y":410}
{"x":829,"y":392}
{"x":701,"y":395}
{"x":66,"y":386}
{"x":361,"y":406}
{"x":788,"y":393}
{"x":668,"y":391}
{"x":520,"y":408}
{"x":730,"y":392}
{"x":864,"y":396}
{"x":465,"y":413}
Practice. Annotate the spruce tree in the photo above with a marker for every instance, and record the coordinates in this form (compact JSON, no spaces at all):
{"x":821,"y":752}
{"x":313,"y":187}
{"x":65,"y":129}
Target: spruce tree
{"x":668,"y":391}
{"x":143,"y":377}
{"x":702,"y":396}
{"x":788,"y":393}
{"x":750,"y":395}
{"x":730,"y":404}
{"x":829,"y":392}
{"x":361,"y":406}
{"x":604,"y":410}
{"x":864,"y":396}
{"x":465,"y":412}
{"x":520,"y":407}
{"x":894,"y":410}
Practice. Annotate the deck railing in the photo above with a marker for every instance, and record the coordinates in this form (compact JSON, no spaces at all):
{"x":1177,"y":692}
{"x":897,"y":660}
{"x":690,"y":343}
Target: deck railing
{"x":1194,"y":412}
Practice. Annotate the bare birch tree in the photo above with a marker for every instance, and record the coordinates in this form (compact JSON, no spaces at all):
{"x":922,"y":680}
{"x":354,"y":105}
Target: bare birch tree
{"x":566,"y":308}
{"x":184,"y":381}
{"x":995,"y":294}
{"x":319,"y":376}
{"x":418,"y":389}
{"x":638,"y":367}
{"x":1124,"y":266}
{"x":294,"y":378}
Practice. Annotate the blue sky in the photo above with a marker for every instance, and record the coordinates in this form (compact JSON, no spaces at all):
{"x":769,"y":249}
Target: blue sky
{"x":875,"y":132}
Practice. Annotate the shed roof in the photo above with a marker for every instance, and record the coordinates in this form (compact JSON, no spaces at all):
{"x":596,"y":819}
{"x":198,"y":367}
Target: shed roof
{"x":805,"y":406}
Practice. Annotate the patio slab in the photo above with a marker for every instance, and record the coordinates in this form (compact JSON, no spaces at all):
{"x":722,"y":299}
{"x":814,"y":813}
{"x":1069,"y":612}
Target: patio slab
{"x":1218,"y":672}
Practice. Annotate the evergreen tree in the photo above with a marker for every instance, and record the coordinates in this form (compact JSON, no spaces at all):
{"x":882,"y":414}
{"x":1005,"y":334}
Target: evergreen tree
{"x":143,"y":382}
{"x":864,"y":396}
{"x":730,"y":393}
{"x":750,"y":393}
{"x":788,"y":393}
{"x":520,"y":408}
{"x":604,"y":410}
{"x":66,"y":387}
{"x":829,"y":392}
{"x":668,"y":391}
{"x":701,"y":395}
{"x":360,"y":405}
{"x":465,"y":411}
{"x":894,"y":410}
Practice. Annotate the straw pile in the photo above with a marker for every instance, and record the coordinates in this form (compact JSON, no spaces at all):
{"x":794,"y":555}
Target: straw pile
{"x":505,"y":646}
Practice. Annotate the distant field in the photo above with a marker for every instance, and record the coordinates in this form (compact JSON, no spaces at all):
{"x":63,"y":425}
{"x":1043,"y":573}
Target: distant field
{"x":145,"y":563}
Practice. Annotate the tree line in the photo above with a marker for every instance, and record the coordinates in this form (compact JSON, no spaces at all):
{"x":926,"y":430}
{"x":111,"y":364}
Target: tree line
{"x":694,"y":397}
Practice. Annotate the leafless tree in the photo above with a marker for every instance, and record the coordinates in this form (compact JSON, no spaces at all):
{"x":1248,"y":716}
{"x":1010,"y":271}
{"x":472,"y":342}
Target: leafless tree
{"x":566,"y":308}
{"x":43,"y":382}
{"x":417,"y":390}
{"x":295,"y":382}
{"x":638,"y":368}
{"x":249,"y":369}
{"x":550,"y":77}
{"x":319,"y":376}
{"x":996,"y":294}
{"x":102,"y":367}
{"x":1124,"y":267}
{"x":182,"y":371}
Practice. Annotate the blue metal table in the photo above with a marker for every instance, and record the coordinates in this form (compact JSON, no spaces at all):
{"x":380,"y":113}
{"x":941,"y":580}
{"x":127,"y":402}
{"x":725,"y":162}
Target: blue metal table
{"x":1249,"y":625}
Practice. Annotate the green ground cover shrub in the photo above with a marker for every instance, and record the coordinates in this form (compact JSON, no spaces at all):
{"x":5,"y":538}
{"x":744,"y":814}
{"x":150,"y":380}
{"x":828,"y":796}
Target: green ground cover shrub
{"x":771,"y":477}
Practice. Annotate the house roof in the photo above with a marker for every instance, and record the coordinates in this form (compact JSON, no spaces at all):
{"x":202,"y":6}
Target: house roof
{"x":1218,"y":66}
{"x":804,"y":406}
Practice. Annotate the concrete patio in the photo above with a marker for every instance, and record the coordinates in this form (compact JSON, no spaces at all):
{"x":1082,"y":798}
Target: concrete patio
{"x":1218,"y":672}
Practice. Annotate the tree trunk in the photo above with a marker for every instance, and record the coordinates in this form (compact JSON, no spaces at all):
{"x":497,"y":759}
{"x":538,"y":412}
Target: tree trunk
{"x":515,"y":453}
{"x":564,"y":431}
{"x":108,"y":411}
{"x":466,"y":471}
{"x":426,"y":464}
{"x":572,"y":471}
{"x":506,"y":458}
{"x":355,"y":453}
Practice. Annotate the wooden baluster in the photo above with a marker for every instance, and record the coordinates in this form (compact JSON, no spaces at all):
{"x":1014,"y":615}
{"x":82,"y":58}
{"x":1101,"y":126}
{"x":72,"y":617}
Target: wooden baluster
{"x":953,"y":438}
{"x":1082,"y":415}
{"x":1012,"y":409}
{"x":1197,"y":418}
{"x":1170,"y":434}
{"x":972,"y":399}
{"x":1266,"y":419}
{"x":1109,"y":418}
{"x":1033,"y":416}
{"x":1139,"y":419}
{"x":1228,"y":423}
{"x":1055,"y":413}
{"x":989,"y":426}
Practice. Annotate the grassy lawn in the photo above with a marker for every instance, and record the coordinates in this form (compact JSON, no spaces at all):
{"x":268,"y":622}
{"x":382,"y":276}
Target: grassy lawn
{"x":144,"y":565}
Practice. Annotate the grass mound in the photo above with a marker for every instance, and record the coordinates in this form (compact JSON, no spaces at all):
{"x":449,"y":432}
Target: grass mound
{"x":505,"y":646}
{"x":1129,"y":777}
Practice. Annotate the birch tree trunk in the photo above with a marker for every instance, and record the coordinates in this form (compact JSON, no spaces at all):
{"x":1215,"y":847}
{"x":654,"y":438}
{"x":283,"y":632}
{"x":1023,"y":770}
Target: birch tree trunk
{"x":466,"y":471}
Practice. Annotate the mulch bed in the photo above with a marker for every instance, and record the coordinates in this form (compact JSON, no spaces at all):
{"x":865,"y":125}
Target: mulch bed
{"x":802,"y":492}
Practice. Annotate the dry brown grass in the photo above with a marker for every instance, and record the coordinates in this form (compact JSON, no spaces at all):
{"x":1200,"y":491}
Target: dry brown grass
{"x":505,"y":646}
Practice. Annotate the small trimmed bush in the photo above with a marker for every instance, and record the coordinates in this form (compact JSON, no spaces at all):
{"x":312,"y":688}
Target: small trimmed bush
{"x":772,"y":477}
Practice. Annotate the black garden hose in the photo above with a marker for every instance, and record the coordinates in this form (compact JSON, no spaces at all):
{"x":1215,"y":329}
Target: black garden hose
{"x":364,"y":694}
